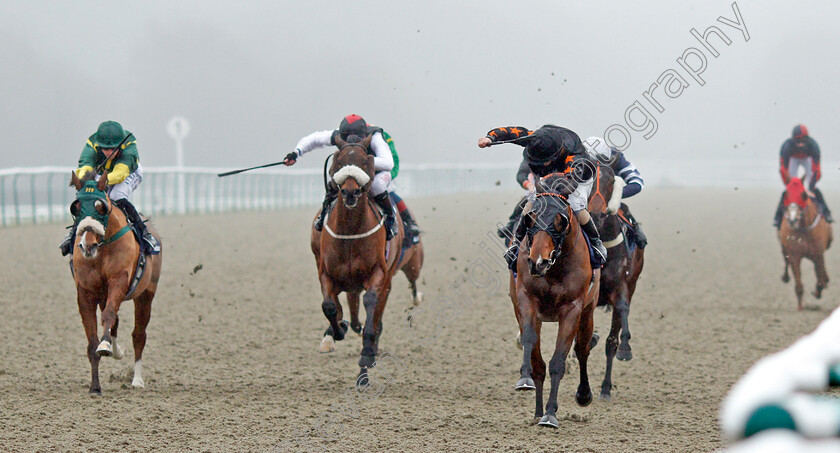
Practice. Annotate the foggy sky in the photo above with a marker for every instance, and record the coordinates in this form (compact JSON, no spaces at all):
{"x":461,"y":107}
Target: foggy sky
{"x":253,"y":77}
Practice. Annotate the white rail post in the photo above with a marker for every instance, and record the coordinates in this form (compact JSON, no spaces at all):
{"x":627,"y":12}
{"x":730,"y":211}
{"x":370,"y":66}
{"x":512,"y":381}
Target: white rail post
{"x":178,"y":129}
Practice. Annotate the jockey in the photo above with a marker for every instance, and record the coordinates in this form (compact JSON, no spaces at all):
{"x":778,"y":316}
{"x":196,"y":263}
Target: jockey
{"x":553,"y":149}
{"x":353,"y":128}
{"x":111,"y":149}
{"x":633,"y":182}
{"x":801,"y":151}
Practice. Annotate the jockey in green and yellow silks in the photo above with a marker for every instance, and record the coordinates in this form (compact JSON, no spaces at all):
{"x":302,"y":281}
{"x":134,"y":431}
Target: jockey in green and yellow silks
{"x":112,"y":149}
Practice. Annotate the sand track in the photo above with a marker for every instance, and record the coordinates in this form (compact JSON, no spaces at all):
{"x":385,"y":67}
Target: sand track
{"x":231,"y":362}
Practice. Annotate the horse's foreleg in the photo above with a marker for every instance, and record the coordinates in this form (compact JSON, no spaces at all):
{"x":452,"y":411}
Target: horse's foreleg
{"x":412,"y":273}
{"x":538,"y":373}
{"x":116,"y":291}
{"x":331,"y":308}
{"x":795,"y":266}
{"x":610,"y":350}
{"x":528,"y":325}
{"x":822,"y":274}
{"x":142,"y":314}
{"x":87,"y":310}
{"x":582,"y":344}
{"x":785,"y":275}
{"x":567,"y":327}
{"x":353,"y":304}
{"x":118,"y":351}
{"x":623,"y":309}
{"x":374,"y":302}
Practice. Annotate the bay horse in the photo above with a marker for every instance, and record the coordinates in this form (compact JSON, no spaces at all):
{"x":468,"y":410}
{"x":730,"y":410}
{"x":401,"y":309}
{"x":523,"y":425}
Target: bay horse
{"x":553,"y":282}
{"x":622,"y":269}
{"x":103,"y":263}
{"x":804,"y":233}
{"x":353,"y":255}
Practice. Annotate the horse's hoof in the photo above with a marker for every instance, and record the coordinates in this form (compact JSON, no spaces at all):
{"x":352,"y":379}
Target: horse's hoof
{"x":594,"y":340}
{"x":138,"y":383}
{"x":362,"y":380}
{"x":95,"y":393}
{"x":118,"y":352}
{"x":785,"y":278}
{"x":327,"y":344}
{"x":605,"y":396}
{"x":817,"y":294}
{"x":417,"y":299}
{"x":583,"y":400}
{"x":518,"y":340}
{"x":624,"y":353}
{"x":104,"y":349}
{"x":367,"y":361}
{"x":525,"y":384}
{"x":356,"y":326}
{"x":549,"y":421}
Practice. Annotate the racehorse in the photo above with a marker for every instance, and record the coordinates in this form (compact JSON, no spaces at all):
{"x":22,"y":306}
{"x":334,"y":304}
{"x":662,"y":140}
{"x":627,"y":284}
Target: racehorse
{"x":353,"y":255}
{"x":104,"y":262}
{"x":622,"y":269}
{"x":553,"y":282}
{"x":804,"y":233}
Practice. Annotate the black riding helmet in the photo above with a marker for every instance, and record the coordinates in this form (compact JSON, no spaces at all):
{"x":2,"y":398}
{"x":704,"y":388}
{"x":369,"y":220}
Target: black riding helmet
{"x":543,"y":148}
{"x":352,"y":125}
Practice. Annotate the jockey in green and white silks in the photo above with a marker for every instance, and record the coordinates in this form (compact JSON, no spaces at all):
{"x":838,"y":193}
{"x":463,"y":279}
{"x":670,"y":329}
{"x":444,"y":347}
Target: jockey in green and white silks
{"x":112,"y":149}
{"x":386,"y":165}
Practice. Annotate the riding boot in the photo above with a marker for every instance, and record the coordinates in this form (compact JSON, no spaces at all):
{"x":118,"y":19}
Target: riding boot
{"x":66,"y":245}
{"x":384,"y":202}
{"x":149,"y":243}
{"x":595,"y":240}
{"x":780,"y":211}
{"x":638,"y":235}
{"x":823,"y":207}
{"x":409,"y":220}
{"x":506,"y":231}
{"x":329,"y":197}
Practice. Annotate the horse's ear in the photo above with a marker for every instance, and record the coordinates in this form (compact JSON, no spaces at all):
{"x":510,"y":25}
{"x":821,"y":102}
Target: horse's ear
{"x":339,"y":142}
{"x":804,"y":196}
{"x":366,"y":142}
{"x":103,"y":182}
{"x":75,"y":181}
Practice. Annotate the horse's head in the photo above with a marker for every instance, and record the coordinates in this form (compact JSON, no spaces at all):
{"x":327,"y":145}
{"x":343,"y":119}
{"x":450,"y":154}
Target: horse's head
{"x":605,"y":196}
{"x":90,"y":211}
{"x":547,"y":223}
{"x":796,"y":198}
{"x":352,"y":170}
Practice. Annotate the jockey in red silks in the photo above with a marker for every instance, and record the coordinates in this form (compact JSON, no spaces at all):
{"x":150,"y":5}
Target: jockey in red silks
{"x":353,"y":128}
{"x":801,"y":152}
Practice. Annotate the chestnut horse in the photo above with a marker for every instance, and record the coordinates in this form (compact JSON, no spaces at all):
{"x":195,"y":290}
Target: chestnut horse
{"x":352,"y":254}
{"x":804,"y":233}
{"x":622,"y":269}
{"x":105,"y":256}
{"x":553,"y":282}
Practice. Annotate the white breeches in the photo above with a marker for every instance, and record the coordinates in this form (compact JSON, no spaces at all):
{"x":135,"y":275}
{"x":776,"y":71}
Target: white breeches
{"x":579,"y":199}
{"x":380,"y":183}
{"x":806,"y":163}
{"x":124,"y":189}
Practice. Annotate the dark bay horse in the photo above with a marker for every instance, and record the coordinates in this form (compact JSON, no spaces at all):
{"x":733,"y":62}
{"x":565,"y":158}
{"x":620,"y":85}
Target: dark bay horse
{"x":553,"y":282}
{"x":105,"y":256}
{"x":804,"y":233}
{"x":621,"y":271}
{"x":352,"y":254}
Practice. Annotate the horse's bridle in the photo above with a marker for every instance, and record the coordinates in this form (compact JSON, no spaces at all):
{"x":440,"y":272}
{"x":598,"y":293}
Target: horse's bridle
{"x":556,"y":236}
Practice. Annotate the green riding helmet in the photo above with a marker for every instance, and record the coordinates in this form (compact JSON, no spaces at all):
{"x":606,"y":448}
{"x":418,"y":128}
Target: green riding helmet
{"x":109,"y":135}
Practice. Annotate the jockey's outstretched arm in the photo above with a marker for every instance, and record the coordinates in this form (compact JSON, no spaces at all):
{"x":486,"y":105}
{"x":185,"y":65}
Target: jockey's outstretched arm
{"x":312,"y":141}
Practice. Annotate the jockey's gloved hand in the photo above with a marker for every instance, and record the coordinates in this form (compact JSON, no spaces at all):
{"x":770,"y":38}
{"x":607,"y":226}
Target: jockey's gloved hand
{"x":510,"y":255}
{"x":290,"y":158}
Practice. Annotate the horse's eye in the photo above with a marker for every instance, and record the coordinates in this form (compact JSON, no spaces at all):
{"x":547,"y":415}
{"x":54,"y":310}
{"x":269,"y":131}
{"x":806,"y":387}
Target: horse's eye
{"x":99,"y":205}
{"x":74,"y":208}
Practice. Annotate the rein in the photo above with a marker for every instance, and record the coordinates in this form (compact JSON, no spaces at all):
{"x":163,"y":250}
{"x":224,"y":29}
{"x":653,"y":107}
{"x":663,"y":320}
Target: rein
{"x":598,"y":187}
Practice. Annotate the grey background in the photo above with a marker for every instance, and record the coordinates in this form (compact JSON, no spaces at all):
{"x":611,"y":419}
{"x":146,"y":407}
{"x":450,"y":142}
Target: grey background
{"x":253,"y":77}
